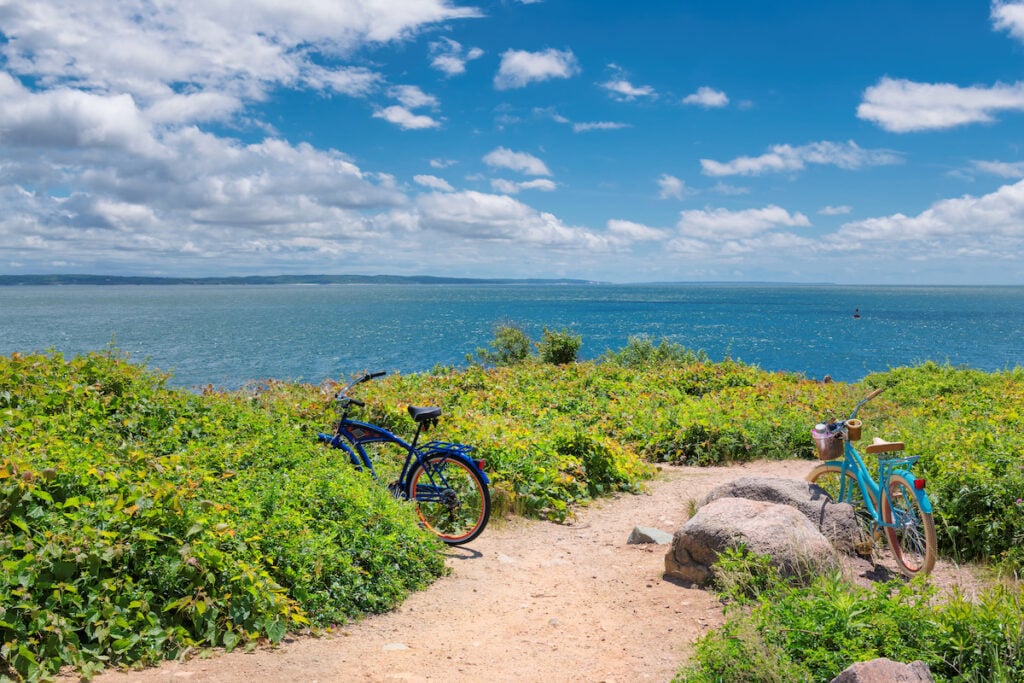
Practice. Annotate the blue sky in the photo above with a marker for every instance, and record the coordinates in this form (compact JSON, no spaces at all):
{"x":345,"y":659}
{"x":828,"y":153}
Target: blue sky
{"x":852,"y":142}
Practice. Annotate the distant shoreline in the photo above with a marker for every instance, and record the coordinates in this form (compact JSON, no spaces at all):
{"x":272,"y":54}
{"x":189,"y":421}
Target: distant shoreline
{"x":35,"y":280}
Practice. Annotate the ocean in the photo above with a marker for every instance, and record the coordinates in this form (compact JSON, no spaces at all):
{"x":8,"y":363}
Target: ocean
{"x":228,"y":335}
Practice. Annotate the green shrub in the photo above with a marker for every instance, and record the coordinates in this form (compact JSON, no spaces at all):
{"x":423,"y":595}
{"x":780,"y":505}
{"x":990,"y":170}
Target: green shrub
{"x":641,"y":352}
{"x":511,"y":345}
{"x":779,"y":632}
{"x":559,"y":348}
{"x":138,"y":521}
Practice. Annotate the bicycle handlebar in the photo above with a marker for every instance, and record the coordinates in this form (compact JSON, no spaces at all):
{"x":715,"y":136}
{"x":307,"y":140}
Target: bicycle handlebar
{"x":341,"y":395}
{"x":867,"y":398}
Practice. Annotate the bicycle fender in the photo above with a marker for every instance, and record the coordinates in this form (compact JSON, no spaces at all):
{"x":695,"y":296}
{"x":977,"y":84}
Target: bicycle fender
{"x":465,"y":460}
{"x":922,"y":497}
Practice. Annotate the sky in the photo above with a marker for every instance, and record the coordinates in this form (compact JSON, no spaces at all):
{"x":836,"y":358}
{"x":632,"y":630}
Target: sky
{"x":854,"y":141}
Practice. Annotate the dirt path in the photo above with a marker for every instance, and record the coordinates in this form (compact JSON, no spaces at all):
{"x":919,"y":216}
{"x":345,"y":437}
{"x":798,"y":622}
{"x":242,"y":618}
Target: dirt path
{"x":527,"y":601}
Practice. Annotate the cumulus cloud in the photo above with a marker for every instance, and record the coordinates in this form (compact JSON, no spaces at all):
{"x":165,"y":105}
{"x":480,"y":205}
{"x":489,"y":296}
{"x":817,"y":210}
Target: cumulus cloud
{"x":513,"y":187}
{"x":1003,"y":169}
{"x":722,"y":224}
{"x":835,"y":210}
{"x":902,"y":106}
{"x":635,"y":232}
{"x":988,"y":226}
{"x":449,"y":57}
{"x":522,"y":162}
{"x":706,"y":97}
{"x":107,"y":45}
{"x":519,"y":68}
{"x":786,"y":158}
{"x":433,"y":182}
{"x":498,"y":217}
{"x":405,"y":119}
{"x":670,"y":187}
{"x":1009,"y":16}
{"x":412,"y":96}
{"x":67,"y":118}
{"x":620,"y":88}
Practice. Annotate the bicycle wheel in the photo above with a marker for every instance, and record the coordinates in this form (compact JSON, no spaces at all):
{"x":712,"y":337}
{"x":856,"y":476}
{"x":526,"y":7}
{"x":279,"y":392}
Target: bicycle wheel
{"x":829,"y":476}
{"x":912,"y":536}
{"x":451,"y":499}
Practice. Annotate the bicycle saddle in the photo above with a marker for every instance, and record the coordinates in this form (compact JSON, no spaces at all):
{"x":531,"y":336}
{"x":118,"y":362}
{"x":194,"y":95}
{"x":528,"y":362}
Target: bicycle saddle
{"x":883,"y":446}
{"x":424,"y":414}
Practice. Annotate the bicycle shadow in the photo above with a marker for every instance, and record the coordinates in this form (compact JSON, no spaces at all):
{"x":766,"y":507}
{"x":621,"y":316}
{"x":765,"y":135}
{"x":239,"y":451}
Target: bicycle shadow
{"x":461,"y":552}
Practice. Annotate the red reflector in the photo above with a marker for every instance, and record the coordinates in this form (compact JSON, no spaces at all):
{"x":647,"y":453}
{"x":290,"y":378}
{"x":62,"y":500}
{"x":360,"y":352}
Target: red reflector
{"x":482,"y":464}
{"x":919,"y":484}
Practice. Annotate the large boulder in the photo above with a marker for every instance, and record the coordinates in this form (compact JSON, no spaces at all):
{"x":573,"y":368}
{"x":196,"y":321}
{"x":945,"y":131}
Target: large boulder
{"x":885,"y":671}
{"x":835,"y":520}
{"x":782,"y":532}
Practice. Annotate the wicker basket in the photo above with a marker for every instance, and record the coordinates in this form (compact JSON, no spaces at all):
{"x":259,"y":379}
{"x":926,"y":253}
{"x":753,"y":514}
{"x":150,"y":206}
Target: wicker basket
{"x":830,"y":446}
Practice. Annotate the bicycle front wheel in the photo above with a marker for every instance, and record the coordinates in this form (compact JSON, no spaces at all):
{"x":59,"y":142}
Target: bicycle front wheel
{"x":451,"y":499}
{"x":829,"y":476}
{"x":912,"y":531}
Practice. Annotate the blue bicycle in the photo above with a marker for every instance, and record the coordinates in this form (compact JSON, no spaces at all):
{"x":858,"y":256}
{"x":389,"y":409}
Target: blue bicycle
{"x":447,"y":486}
{"x":895,"y":505}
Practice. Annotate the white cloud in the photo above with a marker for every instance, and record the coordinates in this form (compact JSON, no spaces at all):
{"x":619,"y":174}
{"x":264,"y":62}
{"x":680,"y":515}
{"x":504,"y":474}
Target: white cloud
{"x":670,"y":187}
{"x":442,"y":163}
{"x":597,"y":125}
{"x":782,"y":158}
{"x":513,"y":187}
{"x":66,"y":118}
{"x":1003,"y":169}
{"x":835,"y":210}
{"x":412,"y":97}
{"x":522,"y":162}
{"x":720,"y":224}
{"x":519,"y":68}
{"x":112,"y":46}
{"x":624,"y":91}
{"x":405,"y":119}
{"x":902,"y":106}
{"x":706,"y":97}
{"x":449,"y":57}
{"x":990,"y":226}
{"x":497,"y":217}
{"x":1009,"y":16}
{"x":433,"y":182}
{"x":635,"y":232}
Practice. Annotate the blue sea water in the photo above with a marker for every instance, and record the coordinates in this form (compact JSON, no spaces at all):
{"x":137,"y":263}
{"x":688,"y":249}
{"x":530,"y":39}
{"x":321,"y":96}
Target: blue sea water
{"x":226,"y":335}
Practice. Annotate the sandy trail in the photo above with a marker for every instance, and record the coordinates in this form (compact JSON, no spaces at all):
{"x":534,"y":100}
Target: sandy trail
{"x":527,"y":601}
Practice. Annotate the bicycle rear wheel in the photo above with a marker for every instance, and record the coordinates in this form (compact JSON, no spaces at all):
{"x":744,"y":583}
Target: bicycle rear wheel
{"x":912,"y":534}
{"x":829,"y":476}
{"x":451,"y":499}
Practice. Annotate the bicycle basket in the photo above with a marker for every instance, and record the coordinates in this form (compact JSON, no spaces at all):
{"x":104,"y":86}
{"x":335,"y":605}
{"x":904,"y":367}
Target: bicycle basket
{"x":829,"y":446}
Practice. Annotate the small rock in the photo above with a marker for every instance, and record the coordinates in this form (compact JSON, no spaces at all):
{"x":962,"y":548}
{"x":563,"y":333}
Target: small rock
{"x":885,"y":671}
{"x":644,"y":534}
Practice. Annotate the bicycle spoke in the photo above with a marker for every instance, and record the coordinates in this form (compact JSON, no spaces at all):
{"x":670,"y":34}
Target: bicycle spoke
{"x":912,"y":531}
{"x":451,"y":500}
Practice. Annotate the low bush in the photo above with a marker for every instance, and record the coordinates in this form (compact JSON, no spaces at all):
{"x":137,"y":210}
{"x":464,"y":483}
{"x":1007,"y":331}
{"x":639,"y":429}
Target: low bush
{"x":776,"y":631}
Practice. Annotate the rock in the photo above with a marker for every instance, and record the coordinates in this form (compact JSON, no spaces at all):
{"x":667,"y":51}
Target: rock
{"x":835,"y":520}
{"x":783,"y":533}
{"x":885,"y":671}
{"x":646,"y":534}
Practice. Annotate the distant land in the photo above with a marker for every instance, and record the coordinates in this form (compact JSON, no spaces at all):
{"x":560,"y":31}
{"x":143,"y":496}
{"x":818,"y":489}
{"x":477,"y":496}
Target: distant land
{"x":25,"y":280}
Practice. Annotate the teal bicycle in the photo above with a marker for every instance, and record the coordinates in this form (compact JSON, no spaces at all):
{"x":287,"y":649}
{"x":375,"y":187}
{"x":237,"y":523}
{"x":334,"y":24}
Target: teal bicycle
{"x":895,"y":505}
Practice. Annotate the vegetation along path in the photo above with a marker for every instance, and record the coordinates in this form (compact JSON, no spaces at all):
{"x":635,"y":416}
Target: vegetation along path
{"x":527,"y":601}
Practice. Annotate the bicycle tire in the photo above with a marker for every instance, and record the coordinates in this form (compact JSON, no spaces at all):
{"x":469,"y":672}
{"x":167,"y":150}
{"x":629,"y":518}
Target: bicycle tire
{"x":915,"y":552}
{"x":451,"y":499}
{"x":827,"y":476}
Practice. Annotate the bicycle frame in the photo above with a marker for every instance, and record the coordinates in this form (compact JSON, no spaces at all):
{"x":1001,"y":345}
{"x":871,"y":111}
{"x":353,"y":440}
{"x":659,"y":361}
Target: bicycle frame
{"x":351,"y":435}
{"x":871,"y":490}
